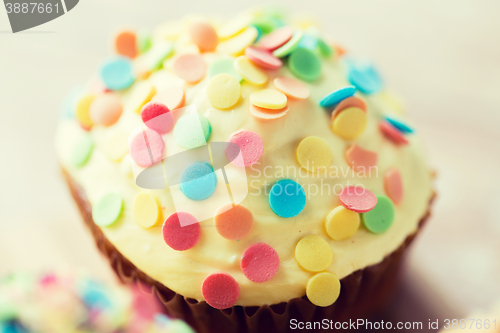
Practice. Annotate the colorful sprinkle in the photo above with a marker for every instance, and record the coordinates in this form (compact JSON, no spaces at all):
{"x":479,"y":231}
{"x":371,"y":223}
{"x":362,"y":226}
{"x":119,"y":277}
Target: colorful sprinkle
{"x":153,"y":59}
{"x":203,"y":34}
{"x":401,"y":126}
{"x":360,"y":159}
{"x":181,"y":231}
{"x":268,"y":99}
{"x":233,"y":222}
{"x":287,"y":198}
{"x":393,"y":185}
{"x":190,"y":67}
{"x":107,"y":210}
{"x":126,"y":44}
{"x":365,"y":78}
{"x":117,"y":73}
{"x":309,"y":42}
{"x":263,"y":58}
{"x":223,"y":91}
{"x":236,"y":45}
{"x":147,"y":212}
{"x":380,"y":218}
{"x":291,"y":87}
{"x":267,"y":114}
{"x":350,"y":123}
{"x":157,"y":117}
{"x":172,"y":97}
{"x":82,"y":112}
{"x":142,"y":93}
{"x":337,"y":96}
{"x":314,"y":154}
{"x":105,"y":109}
{"x":225,"y":65}
{"x":250,"y":147}
{"x":198,"y":181}
{"x":82,"y":151}
{"x":264,"y":24}
{"x":290,"y":46}
{"x":147,"y":145}
{"x":276,"y":39}
{"x":220,"y":290}
{"x":305,"y":64}
{"x":392,"y":133}
{"x":260,"y":262}
{"x":357,"y":199}
{"x":313,"y":253}
{"x":234,"y":26}
{"x":249,"y":71}
{"x":192,"y":131}
{"x":341,"y":223}
{"x":352,"y":101}
{"x":323,"y":289}
{"x":324,"y":49}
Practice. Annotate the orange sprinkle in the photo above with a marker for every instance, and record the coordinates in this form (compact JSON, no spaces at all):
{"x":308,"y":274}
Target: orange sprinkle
{"x":126,"y":44}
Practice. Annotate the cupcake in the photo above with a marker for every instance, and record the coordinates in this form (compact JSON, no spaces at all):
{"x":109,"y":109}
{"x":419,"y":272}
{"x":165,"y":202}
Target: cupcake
{"x":253,"y":174}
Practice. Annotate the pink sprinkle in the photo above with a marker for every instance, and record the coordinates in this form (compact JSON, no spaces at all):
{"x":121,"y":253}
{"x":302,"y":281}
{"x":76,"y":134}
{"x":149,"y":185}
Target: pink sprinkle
{"x":260,"y":262}
{"x":361,"y":159}
{"x":392,"y":134}
{"x":220,"y":290}
{"x":393,"y":184}
{"x":263,"y":58}
{"x":181,"y":236}
{"x":190,"y":67}
{"x":158,"y":117}
{"x":358,"y":199}
{"x":251,"y":148}
{"x":276,"y":38}
{"x":146,"y":153}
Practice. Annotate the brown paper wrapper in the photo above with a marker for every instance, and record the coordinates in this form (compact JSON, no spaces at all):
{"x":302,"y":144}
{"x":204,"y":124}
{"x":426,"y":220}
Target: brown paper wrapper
{"x":363,"y":293}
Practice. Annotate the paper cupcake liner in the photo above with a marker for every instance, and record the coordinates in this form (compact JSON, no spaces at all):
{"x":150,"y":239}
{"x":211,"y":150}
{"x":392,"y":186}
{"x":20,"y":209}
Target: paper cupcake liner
{"x":363,"y":292}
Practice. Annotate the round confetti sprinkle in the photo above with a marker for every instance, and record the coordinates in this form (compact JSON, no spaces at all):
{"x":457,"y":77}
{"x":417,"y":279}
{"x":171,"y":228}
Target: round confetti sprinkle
{"x":220,"y":290}
{"x":291,"y":87}
{"x":82,"y":151}
{"x":260,"y":262}
{"x":181,"y":231}
{"x":365,"y":78}
{"x":399,"y":125}
{"x":392,"y":133}
{"x":350,"y":123}
{"x":324,"y":49}
{"x":393,"y":185}
{"x":268,"y":99}
{"x":153,"y":59}
{"x":234,"y":26}
{"x":352,"y":101}
{"x":172,"y":97}
{"x":249,"y":71}
{"x":225,"y":65}
{"x":233,"y":222}
{"x":305,"y":64}
{"x":267,"y":114}
{"x":126,"y":44}
{"x":264,"y":24}
{"x":287,"y":198}
{"x":309,"y":42}
{"x":361,"y":159}
{"x":236,"y":45}
{"x":117,"y":73}
{"x":223,"y":91}
{"x":82,"y":112}
{"x":190,"y":67}
{"x":276,"y":38}
{"x":198,"y":181}
{"x":192,"y":131}
{"x":379,"y":219}
{"x":323,"y":289}
{"x":203,"y":34}
{"x":337,"y":96}
{"x":250,"y":147}
{"x":313,"y":253}
{"x":290,"y":46}
{"x":142,"y":93}
{"x":314,"y":154}
{"x":107,"y":210}
{"x":147,"y":148}
{"x":157,"y":117}
{"x":106,"y":109}
{"x":263,"y":58}
{"x":341,"y":223}
{"x":147,"y":211}
{"x":357,"y":199}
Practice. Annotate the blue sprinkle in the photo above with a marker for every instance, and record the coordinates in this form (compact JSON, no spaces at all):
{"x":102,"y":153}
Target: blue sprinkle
{"x":287,"y":198}
{"x":94,"y":295}
{"x":402,"y":127}
{"x":337,"y":96}
{"x":161,"y":319}
{"x":364,"y":77}
{"x":198,"y":181}
{"x":308,"y":42}
{"x":259,"y":33}
{"x":117,"y":73}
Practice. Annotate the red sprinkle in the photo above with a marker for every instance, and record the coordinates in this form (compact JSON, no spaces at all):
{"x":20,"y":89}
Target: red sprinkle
{"x":391,"y":133}
{"x":181,"y":231}
{"x":260,"y":262}
{"x":146,"y":153}
{"x":276,"y":38}
{"x":157,"y":116}
{"x":263,"y":58}
{"x":358,"y":199}
{"x":220,"y":290}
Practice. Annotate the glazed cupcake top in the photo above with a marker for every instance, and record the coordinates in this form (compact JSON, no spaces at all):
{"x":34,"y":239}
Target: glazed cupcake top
{"x":245,"y":162}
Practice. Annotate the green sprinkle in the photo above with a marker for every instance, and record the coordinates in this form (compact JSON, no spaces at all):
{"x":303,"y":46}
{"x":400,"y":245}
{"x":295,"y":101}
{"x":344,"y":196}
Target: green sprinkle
{"x":226,"y":66}
{"x":290,"y":46}
{"x":143,"y":41}
{"x":82,"y":151}
{"x":264,"y":24}
{"x":305,"y":64}
{"x":381,"y":217}
{"x":107,"y":210}
{"x":324,"y":49}
{"x":192,"y":131}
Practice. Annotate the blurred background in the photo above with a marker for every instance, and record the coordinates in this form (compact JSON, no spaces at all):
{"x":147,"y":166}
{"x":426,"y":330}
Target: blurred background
{"x":442,"y":57}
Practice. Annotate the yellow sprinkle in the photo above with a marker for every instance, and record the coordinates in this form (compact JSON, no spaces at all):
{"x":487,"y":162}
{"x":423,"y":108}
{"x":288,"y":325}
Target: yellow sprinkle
{"x":231,"y":28}
{"x":115,"y":147}
{"x":223,"y":91}
{"x":236,"y":45}
{"x":350,"y":123}
{"x":323,"y":289}
{"x":82,"y":111}
{"x":313,"y":253}
{"x":341,"y":223}
{"x":249,"y":71}
{"x":142,"y":93}
{"x":147,"y":211}
{"x":268,"y":99}
{"x":314,"y":153}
